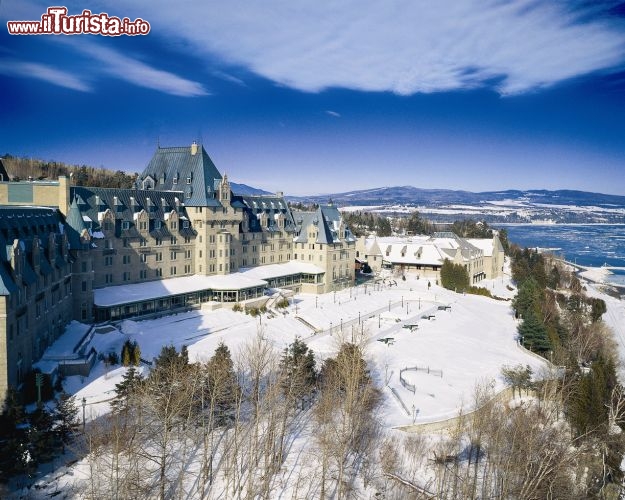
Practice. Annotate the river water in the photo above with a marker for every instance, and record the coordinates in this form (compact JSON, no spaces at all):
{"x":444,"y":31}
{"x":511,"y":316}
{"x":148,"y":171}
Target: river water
{"x":589,"y":245}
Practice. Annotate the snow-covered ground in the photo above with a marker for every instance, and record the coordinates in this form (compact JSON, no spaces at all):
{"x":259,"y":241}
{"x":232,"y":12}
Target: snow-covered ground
{"x":463,"y":346}
{"x":468,"y":343}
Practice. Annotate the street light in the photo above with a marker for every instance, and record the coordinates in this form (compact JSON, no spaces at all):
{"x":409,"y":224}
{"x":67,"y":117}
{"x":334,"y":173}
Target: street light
{"x":330,"y":327}
{"x":84,"y":404}
{"x":379,"y":324}
{"x":341,"y":325}
{"x":358,"y":317}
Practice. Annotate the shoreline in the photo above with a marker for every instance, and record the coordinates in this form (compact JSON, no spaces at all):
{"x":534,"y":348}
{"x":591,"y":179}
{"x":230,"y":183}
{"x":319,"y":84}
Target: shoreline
{"x":597,"y":276}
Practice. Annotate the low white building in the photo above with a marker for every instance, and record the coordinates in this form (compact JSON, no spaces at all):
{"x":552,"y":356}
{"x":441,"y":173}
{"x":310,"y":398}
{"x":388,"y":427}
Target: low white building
{"x":425,"y":255}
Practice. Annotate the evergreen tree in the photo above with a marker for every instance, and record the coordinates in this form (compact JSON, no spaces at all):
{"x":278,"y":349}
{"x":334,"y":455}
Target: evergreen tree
{"x":131,"y":353}
{"x":13,"y":438}
{"x":297,"y":366}
{"x":454,"y":276}
{"x":589,"y":405}
{"x":554,"y":278}
{"x":135,"y":355}
{"x":598,"y":308}
{"x":126,"y":353}
{"x":170,"y":360}
{"x":417,"y":225}
{"x":65,"y":418}
{"x":222,"y":386}
{"x":527,"y":298}
{"x":125,"y":390}
{"x":41,"y":437}
{"x":534,"y":334}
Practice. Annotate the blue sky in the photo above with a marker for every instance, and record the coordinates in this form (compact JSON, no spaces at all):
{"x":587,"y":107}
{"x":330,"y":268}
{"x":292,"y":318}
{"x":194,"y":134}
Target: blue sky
{"x":308,"y":97}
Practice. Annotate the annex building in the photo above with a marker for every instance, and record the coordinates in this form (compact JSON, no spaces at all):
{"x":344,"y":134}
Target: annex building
{"x":424,"y":255}
{"x":180,"y":238}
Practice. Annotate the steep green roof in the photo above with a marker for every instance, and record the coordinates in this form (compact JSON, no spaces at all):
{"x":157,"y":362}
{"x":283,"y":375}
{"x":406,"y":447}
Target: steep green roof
{"x":186,"y":169}
{"x":75,"y":226}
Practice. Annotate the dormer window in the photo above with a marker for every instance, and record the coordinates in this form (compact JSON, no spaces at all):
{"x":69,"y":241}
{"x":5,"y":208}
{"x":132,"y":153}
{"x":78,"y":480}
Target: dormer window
{"x":185,"y":224}
{"x":125,"y":224}
{"x":157,"y":224}
{"x":189,"y":180}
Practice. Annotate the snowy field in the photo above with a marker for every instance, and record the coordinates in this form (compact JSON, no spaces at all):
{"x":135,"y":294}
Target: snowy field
{"x":464,"y":341}
{"x":462,"y":346}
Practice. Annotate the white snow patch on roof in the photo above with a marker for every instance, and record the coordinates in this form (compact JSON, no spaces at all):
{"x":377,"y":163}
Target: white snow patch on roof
{"x":123,"y":294}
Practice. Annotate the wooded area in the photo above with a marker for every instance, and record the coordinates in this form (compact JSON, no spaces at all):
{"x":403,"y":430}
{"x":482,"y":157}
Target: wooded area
{"x":82,"y":175}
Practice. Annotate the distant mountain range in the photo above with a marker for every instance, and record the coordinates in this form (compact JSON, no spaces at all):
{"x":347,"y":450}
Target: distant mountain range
{"x":435,"y":197}
{"x":510,"y":206}
{"x":446,"y":205}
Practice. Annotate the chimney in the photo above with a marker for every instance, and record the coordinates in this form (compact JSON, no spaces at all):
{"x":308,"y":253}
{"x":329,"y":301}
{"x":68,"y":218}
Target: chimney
{"x":194,"y":148}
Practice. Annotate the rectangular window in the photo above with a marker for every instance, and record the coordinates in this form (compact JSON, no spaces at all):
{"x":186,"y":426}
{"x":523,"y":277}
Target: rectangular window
{"x":159,"y":256}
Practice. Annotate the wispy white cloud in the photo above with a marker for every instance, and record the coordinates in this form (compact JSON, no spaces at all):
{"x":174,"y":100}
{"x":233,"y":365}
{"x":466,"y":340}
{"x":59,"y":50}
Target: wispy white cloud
{"x":228,"y":78}
{"x":333,"y":113}
{"x":139,"y":73}
{"x":109,"y":61}
{"x":403,"y":46}
{"x":43,"y":72}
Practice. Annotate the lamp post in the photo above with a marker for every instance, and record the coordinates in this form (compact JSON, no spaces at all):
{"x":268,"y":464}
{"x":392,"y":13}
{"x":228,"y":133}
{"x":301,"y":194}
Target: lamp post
{"x":419,"y":303}
{"x":316,"y":302}
{"x":341,"y":325}
{"x":330,"y":327}
{"x":358,"y":317}
{"x":84,"y":404}
{"x":335,"y":296}
{"x":389,"y":305}
{"x":379,"y":323}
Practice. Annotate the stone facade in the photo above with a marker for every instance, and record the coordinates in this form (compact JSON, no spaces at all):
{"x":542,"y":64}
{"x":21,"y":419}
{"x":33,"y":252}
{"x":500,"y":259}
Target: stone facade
{"x":181,"y":220}
{"x":425,"y":255}
{"x":36,"y":288}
